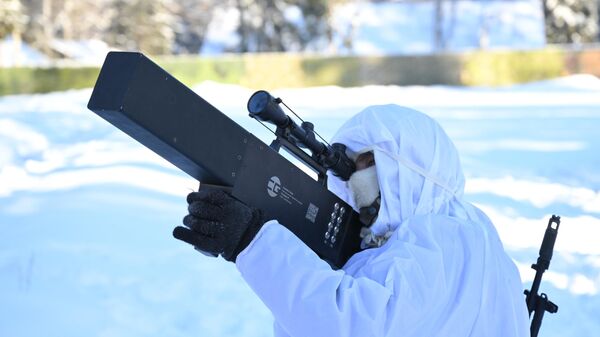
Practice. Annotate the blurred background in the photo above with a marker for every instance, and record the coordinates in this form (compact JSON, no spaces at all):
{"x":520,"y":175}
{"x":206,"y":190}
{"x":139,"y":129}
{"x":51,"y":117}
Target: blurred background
{"x":314,"y":42}
{"x":86,"y":213}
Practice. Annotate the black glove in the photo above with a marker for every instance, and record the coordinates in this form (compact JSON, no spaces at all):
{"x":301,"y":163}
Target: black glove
{"x":218,"y":223}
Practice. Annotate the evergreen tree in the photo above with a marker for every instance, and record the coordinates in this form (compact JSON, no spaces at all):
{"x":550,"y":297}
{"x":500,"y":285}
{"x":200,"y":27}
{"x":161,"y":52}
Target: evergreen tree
{"x":191,"y":24}
{"x":316,"y":23}
{"x":282,"y":25}
{"x":144,"y":25}
{"x":83,"y":19}
{"x":40,"y":29}
{"x":571,"y":21}
{"x":65,"y":19}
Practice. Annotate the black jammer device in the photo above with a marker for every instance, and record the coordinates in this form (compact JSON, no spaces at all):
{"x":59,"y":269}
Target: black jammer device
{"x":147,"y":103}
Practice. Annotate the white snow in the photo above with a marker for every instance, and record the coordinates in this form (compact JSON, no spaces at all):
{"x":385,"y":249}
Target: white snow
{"x":15,"y":179}
{"x":523,"y":145}
{"x":16,"y":53}
{"x":25,"y":139}
{"x":577,"y":284}
{"x":582,"y":285}
{"x":86,"y":213}
{"x":82,"y":52}
{"x":221,"y":34}
{"x":539,"y":193}
{"x":578,"y":234}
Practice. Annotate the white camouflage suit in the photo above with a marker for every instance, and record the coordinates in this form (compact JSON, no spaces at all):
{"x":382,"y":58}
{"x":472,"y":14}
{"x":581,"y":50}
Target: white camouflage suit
{"x":443,"y":271}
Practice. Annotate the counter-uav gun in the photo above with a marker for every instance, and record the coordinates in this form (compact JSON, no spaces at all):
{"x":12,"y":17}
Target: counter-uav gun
{"x":147,"y":103}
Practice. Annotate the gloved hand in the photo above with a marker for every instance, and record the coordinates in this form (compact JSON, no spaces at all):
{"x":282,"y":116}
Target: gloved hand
{"x":219,"y":224}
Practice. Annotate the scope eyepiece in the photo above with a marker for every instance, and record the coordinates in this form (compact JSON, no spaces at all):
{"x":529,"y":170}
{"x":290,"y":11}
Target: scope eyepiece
{"x":264,"y":107}
{"x":340,"y":164}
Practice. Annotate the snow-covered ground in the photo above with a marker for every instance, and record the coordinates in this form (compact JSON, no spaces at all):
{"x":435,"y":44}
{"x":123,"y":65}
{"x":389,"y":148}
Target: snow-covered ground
{"x":86,"y":213}
{"x":16,"y":53}
{"x":82,"y":52}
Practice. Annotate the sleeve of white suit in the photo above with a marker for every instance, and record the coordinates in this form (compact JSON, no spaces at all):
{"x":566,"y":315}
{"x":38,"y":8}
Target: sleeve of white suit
{"x":306,"y":296}
{"x":427,"y":280}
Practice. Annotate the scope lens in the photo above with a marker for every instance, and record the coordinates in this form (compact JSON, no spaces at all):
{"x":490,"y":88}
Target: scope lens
{"x":258,"y":102}
{"x":264,"y":107}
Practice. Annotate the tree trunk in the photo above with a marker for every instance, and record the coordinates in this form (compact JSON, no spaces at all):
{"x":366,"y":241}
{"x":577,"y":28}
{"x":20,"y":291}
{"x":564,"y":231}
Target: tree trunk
{"x":438,"y":26}
{"x":47,"y":26}
{"x":243,"y":29}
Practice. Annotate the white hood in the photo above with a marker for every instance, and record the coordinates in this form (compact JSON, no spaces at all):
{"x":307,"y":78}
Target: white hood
{"x":441,"y":273}
{"x":418,"y":167}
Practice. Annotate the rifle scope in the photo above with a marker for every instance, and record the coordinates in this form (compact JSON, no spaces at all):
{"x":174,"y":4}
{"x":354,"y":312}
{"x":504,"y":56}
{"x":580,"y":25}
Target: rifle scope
{"x":264,"y":107}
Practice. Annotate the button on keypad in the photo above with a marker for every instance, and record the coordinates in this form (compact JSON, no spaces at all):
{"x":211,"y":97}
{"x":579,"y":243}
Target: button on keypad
{"x":334,"y":225}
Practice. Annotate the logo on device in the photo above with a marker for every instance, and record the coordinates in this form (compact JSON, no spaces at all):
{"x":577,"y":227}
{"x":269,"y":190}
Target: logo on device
{"x":274,"y":186}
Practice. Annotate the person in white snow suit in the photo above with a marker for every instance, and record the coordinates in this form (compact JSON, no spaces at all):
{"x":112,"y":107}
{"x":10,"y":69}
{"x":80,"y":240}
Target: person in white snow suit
{"x":432,"y":263}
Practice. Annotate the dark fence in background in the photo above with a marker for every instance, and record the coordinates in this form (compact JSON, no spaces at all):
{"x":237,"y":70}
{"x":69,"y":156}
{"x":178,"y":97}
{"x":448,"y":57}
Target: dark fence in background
{"x":270,"y":71}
